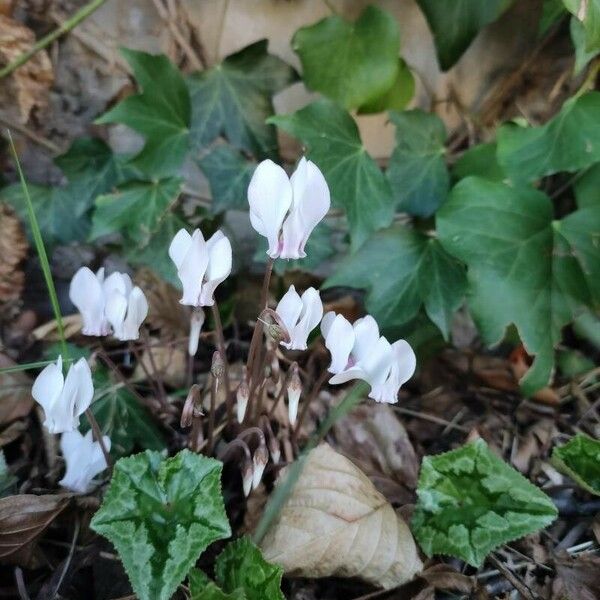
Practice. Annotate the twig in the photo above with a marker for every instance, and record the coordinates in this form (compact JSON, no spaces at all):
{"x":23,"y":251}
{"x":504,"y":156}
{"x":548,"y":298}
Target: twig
{"x":313,"y":394}
{"x":157,"y":374}
{"x":512,"y":578}
{"x":68,"y":560}
{"x":21,"y":584}
{"x":69,"y":24}
{"x":431,"y":418}
{"x":98,"y":436}
{"x":34,"y":137}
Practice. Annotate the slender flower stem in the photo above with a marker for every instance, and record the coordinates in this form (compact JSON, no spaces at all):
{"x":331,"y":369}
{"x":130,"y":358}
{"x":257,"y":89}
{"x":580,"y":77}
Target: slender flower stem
{"x":221,"y":345}
{"x":69,"y":24}
{"x":97,"y":432}
{"x":264,"y":297}
{"x":313,"y":394}
{"x":278,"y":399}
{"x":211,"y":415}
{"x":157,"y":375}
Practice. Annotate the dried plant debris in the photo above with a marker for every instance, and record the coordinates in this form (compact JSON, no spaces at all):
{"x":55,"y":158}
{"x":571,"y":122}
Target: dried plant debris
{"x":13,"y":250}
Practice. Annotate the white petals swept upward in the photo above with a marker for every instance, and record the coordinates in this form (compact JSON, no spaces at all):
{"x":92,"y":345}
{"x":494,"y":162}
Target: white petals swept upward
{"x":304,"y":198}
{"x":105,"y":302}
{"x":201,"y":265}
{"x":300,"y":315}
{"x":359,"y":352}
{"x":63,"y":399}
{"x":84,"y":458}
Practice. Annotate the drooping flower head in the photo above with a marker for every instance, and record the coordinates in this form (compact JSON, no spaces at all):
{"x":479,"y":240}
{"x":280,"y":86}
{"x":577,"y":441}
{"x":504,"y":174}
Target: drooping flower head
{"x":201,"y":265}
{"x":84,"y":458}
{"x":300,"y":315}
{"x":63,"y":399}
{"x":105,"y":302}
{"x":286,"y":210}
{"x":358,"y":351}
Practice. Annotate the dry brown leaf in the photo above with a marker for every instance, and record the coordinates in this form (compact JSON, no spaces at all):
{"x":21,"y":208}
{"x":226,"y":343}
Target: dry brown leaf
{"x":169,"y":362}
{"x":15,"y":393}
{"x":23,"y":519}
{"x":49,"y":331}
{"x":373,"y":436}
{"x":28,"y":85}
{"x":520,"y":362}
{"x":335,"y":523}
{"x":13,"y":249}
{"x":164,"y":310}
{"x":578,"y":578}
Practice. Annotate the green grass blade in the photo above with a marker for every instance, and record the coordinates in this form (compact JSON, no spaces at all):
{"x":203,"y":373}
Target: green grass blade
{"x":284,"y":488}
{"x":28,"y":366}
{"x":40,"y":248}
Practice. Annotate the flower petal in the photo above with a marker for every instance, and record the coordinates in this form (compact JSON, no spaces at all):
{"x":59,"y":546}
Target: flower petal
{"x":219,"y":266}
{"x":378,"y":362}
{"x":339,"y":341}
{"x":270,"y":197}
{"x":116,"y":309}
{"x":192,"y":269}
{"x":366,"y":332}
{"x":289,"y":309}
{"x":48,"y":386}
{"x":179,"y":247}
{"x":87,"y":295}
{"x":137,"y":311}
{"x":312,"y":311}
{"x":326,"y":322}
{"x":311,"y":201}
{"x":77,"y":395}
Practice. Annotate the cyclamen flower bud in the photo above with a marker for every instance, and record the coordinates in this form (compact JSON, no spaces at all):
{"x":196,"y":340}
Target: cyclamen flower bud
{"x":217,"y":367}
{"x":242,"y":394}
{"x":294,"y":390}
{"x":196,"y":321}
{"x":271,"y":195}
{"x":259,"y":460}
{"x":247,"y":476}
{"x":191,"y":408}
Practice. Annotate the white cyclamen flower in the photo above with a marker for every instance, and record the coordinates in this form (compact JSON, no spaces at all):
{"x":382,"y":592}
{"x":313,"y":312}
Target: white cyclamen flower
{"x":63,"y":399}
{"x":304,"y":198}
{"x":84,"y":458}
{"x":126,"y":306}
{"x":201,"y":265}
{"x":300,"y":315}
{"x":359,"y":352}
{"x":103,"y":302}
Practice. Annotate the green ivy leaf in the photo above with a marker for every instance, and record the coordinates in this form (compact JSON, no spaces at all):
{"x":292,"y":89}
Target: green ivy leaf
{"x":63,"y":212}
{"x":397,"y":97}
{"x":455,"y":24}
{"x":135,"y":209}
{"x":523,"y":267}
{"x":352,"y":63}
{"x":161,"y":112}
{"x":587,"y":188}
{"x":153,"y":254}
{"x":568,"y":142}
{"x":471,"y":502}
{"x":588,"y":14}
{"x":202,"y":588}
{"x":242,"y":566}
{"x":417,"y":169}
{"x":234,"y":98}
{"x":318,"y":250}
{"x":90,"y":160}
{"x":229,"y":174}
{"x":121,"y":418}
{"x":582,"y":55}
{"x":481,"y":161}
{"x":403,"y":270}
{"x":355,"y":181}
{"x":161,"y":515}
{"x":552,"y":11}
{"x":580,"y":460}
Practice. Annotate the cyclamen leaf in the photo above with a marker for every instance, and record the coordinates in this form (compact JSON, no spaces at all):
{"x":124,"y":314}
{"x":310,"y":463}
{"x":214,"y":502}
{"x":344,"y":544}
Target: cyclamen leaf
{"x":161,"y":112}
{"x":355,"y":181}
{"x":523,"y":267}
{"x":161,"y":515}
{"x":121,"y":418}
{"x":568,"y":142}
{"x":417,"y":171}
{"x":242,"y":566}
{"x":470,"y":502}
{"x":234,"y":98}
{"x":202,"y":588}
{"x":456,"y":23}
{"x":580,"y":460}
{"x":403,"y":270}
{"x":588,"y":13}
{"x":352,"y":63}
{"x":229,"y":174}
{"x":135,"y":209}
{"x":395,"y":98}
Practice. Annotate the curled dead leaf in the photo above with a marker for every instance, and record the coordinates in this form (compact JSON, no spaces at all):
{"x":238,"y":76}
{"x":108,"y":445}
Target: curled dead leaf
{"x":15,"y":393}
{"x":23,"y":519}
{"x":336,"y":523}
{"x":13,"y":249}
{"x":577,"y":578}
{"x":28,"y":85}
